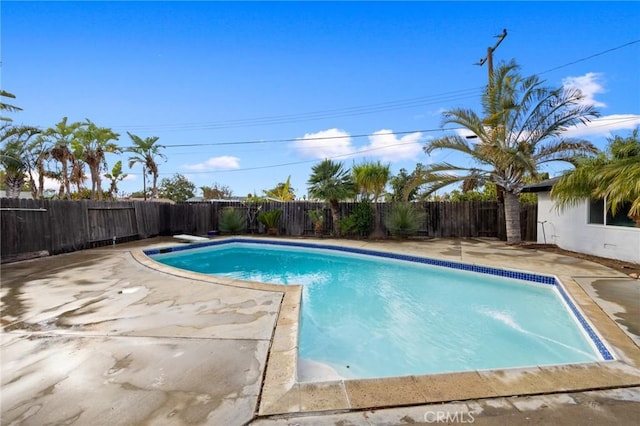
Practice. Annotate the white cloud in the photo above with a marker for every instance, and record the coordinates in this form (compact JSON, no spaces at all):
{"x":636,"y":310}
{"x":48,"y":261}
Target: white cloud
{"x":49,"y":183}
{"x":224,"y":162}
{"x":388,"y":147}
{"x":336,"y":143}
{"x":324,"y":144}
{"x":589,"y":85}
{"x":605,"y":126}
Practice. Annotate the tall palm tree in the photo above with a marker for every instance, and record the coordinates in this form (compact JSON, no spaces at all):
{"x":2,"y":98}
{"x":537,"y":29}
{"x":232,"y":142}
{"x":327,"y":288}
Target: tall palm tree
{"x":371,"y":178}
{"x":38,"y":153}
{"x":92,"y":142}
{"x":146,"y":151}
{"x":63,"y":133}
{"x":613,"y":176}
{"x":329,"y":181}
{"x":521,"y":128}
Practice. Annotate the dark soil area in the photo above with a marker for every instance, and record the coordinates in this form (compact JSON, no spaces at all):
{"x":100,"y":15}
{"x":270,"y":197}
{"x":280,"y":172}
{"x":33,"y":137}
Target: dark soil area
{"x":624,"y":267}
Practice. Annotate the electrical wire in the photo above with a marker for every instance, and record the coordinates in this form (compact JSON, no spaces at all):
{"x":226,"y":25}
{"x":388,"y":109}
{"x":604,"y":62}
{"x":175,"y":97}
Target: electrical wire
{"x":590,"y":56}
{"x":316,"y":115}
{"x":363,"y":151}
{"x":348,"y":111}
{"x":347,"y":136}
{"x":294,"y":163}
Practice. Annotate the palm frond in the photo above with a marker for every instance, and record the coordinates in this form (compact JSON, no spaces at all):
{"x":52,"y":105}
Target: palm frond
{"x":564,"y":150}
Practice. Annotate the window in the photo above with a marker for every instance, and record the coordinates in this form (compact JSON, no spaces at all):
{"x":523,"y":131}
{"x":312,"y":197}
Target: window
{"x":599,"y":215}
{"x":596,"y":211}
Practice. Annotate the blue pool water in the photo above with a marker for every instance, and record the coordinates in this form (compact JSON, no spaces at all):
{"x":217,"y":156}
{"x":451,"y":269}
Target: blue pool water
{"x":367,"y":316}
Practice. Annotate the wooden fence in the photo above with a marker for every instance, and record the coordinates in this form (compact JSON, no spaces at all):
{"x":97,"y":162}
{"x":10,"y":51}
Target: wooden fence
{"x":57,"y":226}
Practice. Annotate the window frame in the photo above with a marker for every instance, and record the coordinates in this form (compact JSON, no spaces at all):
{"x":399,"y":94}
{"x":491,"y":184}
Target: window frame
{"x":604,"y":217}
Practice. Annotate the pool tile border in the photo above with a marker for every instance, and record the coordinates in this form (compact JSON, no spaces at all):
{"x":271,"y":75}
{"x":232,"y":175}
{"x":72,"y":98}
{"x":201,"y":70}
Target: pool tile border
{"x":525,"y":276}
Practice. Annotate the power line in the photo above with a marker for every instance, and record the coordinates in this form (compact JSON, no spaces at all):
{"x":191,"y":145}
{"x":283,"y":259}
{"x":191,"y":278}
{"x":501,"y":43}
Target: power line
{"x":319,"y":138}
{"x":347,"y":111}
{"x":355,"y":111}
{"x":317,"y":115}
{"x":271,"y":166}
{"x":591,"y":56}
{"x":358,"y":152}
{"x":362,"y":135}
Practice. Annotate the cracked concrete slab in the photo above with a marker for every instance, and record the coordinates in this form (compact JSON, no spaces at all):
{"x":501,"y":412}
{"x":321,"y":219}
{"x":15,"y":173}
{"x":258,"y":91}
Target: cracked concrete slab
{"x":53,"y":379}
{"x":95,"y":337}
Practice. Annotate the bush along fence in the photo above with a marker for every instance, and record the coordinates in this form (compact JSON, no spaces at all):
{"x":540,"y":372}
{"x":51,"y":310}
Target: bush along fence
{"x":33,"y":227}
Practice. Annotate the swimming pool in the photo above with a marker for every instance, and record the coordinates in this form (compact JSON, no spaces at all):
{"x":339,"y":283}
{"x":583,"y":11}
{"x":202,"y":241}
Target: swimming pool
{"x":393,"y":315}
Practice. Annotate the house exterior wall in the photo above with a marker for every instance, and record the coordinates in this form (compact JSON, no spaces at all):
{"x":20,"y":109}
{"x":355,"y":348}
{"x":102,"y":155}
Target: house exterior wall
{"x":569,"y":230}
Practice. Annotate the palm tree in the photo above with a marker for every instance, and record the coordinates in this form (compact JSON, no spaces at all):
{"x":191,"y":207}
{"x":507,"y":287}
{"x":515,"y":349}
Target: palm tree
{"x":14,"y":157}
{"x":11,"y":159}
{"x":613,"y":176}
{"x":114,"y":177}
{"x":77,"y":176}
{"x":521,"y":128}
{"x":329,"y":181}
{"x":38,"y":152}
{"x":146,"y":151}
{"x":371,"y":178}
{"x":92,"y":142}
{"x":63,"y":134}
{"x":282,"y":191}
{"x":5,"y":106}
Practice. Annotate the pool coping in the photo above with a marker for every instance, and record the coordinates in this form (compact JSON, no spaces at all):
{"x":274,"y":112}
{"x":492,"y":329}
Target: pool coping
{"x":282,"y":394}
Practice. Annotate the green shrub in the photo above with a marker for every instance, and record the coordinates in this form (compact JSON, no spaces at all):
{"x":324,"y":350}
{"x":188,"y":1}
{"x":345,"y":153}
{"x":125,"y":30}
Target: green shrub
{"x":317,"y":219}
{"x":404,"y":220}
{"x":270,"y":220}
{"x":231,"y":221}
{"x":360,"y":222}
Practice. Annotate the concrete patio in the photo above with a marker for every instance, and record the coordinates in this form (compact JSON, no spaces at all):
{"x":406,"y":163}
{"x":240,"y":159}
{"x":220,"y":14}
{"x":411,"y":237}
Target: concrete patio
{"x":107,"y":336}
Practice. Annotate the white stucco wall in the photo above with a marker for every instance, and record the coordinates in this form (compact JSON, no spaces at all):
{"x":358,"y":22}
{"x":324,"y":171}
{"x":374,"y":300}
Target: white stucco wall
{"x":569,"y":230}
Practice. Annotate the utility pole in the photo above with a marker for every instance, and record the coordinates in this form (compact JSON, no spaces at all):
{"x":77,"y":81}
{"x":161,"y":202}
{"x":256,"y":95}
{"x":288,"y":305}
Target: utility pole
{"x":489,"y":58}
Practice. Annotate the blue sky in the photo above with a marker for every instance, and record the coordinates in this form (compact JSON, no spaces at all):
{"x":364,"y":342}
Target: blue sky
{"x":213,"y":75}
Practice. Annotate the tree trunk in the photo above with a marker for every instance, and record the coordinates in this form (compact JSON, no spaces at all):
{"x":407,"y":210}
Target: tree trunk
{"x":66,"y":183}
{"x":33,"y":187}
{"x":512,"y":217}
{"x":99,"y":185}
{"x":14,"y":184}
{"x":154,"y":190}
{"x":94,"y":183}
{"x":377,"y":229}
{"x":41,"y":173}
{"x":335,"y":214}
